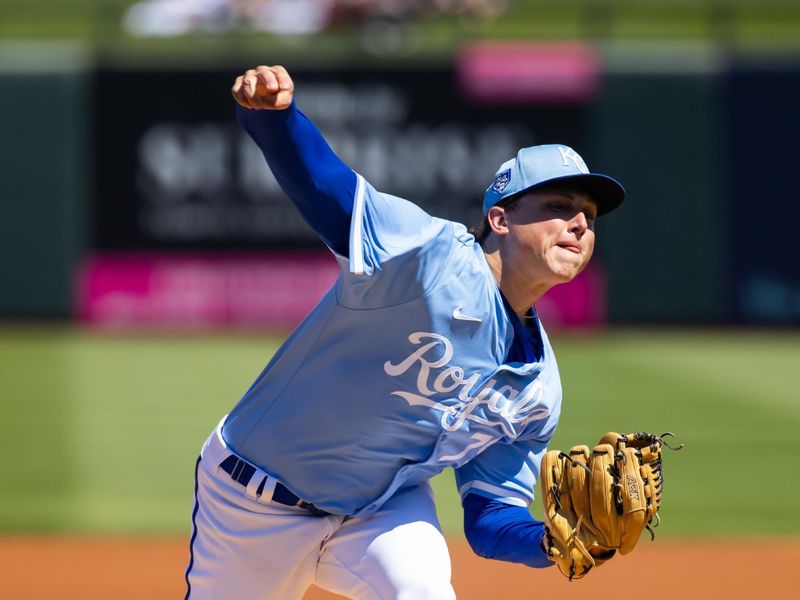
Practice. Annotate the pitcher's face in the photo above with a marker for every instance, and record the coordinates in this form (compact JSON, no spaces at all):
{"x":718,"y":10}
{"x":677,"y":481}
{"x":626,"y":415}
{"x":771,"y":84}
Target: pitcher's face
{"x":550,"y":235}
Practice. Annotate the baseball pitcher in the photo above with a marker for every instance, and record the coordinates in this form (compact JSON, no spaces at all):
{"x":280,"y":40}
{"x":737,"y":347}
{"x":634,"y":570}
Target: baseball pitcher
{"x":426,"y":354}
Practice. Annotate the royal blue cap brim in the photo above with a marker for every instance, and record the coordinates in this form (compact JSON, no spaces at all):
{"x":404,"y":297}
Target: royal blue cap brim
{"x":606,"y":191}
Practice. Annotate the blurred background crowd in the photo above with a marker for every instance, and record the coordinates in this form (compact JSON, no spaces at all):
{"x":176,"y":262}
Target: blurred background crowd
{"x":289,"y":17}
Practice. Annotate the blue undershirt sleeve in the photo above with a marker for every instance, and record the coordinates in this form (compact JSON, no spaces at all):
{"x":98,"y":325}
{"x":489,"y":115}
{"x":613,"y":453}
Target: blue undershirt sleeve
{"x":502,"y":531}
{"x":320,"y":185}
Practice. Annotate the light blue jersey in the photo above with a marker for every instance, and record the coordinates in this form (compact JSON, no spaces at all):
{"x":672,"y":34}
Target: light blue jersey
{"x":385,"y":407}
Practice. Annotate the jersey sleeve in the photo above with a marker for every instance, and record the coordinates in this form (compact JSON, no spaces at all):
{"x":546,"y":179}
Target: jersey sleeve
{"x":505,"y":472}
{"x":390,"y":250}
{"x":396,"y":250}
{"x":319,"y":184}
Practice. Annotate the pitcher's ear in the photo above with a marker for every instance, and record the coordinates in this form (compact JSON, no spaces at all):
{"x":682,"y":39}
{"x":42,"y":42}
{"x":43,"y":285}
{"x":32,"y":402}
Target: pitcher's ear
{"x":497,"y":218}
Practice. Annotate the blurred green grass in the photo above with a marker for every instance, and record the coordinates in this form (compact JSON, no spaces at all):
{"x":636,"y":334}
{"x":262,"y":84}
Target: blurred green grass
{"x":101,"y":431}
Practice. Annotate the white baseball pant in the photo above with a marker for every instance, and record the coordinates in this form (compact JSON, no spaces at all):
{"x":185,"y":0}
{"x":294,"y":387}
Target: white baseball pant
{"x":243,"y":548}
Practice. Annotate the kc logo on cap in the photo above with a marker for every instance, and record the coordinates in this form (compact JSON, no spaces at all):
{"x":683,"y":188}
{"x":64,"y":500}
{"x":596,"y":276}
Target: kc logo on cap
{"x":568,"y":154}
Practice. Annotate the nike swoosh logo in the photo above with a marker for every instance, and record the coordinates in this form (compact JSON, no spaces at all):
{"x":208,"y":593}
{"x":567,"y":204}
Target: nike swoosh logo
{"x":457,"y":314}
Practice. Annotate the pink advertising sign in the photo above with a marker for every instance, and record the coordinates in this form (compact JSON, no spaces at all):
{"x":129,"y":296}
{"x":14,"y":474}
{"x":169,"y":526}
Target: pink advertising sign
{"x":216,"y":290}
{"x":523,"y":72}
{"x":269,"y":290}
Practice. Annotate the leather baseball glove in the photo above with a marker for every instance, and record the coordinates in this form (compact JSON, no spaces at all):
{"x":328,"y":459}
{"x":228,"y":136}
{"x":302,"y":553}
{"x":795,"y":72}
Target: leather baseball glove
{"x":597,"y":502}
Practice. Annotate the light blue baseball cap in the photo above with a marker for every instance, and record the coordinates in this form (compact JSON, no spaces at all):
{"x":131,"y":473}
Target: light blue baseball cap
{"x":537,"y":166}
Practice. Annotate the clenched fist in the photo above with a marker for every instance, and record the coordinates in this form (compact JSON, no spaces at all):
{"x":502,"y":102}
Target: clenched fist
{"x":264,"y":88}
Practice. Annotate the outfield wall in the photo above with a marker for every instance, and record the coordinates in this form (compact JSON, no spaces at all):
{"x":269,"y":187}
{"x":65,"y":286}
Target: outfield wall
{"x":98,"y":160}
{"x":45,"y":175}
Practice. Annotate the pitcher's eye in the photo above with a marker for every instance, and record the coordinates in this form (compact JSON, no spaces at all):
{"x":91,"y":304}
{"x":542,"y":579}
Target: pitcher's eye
{"x":557,"y":206}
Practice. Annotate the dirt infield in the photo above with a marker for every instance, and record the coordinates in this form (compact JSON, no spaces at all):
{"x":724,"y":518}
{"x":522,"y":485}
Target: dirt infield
{"x":68,"y":568}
